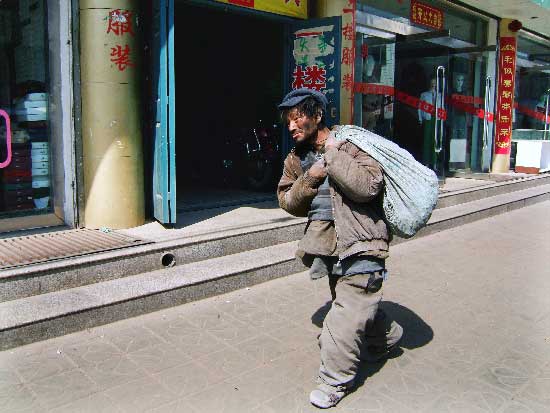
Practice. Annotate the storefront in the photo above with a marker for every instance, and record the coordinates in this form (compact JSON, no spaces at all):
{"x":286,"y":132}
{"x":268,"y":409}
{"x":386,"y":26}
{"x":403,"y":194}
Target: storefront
{"x":531,"y":122}
{"x":36,"y":169}
{"x":427,"y":76}
{"x":189,"y":119}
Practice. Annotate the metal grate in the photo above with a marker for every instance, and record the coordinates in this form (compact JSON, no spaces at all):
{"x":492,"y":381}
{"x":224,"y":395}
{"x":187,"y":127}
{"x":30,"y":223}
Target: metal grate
{"x":33,"y":249}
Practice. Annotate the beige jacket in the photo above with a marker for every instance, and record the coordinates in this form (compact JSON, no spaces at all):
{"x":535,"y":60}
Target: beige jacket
{"x":356,"y":182}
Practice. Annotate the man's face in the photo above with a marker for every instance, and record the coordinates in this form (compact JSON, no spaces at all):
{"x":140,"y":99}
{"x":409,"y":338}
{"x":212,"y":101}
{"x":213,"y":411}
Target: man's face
{"x":301,"y":127}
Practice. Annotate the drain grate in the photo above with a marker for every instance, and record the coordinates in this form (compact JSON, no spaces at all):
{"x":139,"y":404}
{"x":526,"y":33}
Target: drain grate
{"x":34,"y":249}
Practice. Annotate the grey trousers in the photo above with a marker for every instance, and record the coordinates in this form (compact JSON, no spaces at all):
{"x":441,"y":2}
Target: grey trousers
{"x":353,"y":326}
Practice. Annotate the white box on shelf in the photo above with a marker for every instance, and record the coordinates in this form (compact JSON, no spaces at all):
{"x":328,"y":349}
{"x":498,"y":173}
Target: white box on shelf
{"x":40,"y":158}
{"x":36,"y":96}
{"x":40,"y":182}
{"x":32,"y":118}
{"x":26,"y":104}
{"x":40,"y":164}
{"x":40,"y":172}
{"x":38,"y":152}
{"x":39,"y":145}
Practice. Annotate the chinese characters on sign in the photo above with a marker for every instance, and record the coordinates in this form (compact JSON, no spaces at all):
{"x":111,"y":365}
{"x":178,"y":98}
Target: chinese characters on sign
{"x":505,"y":95}
{"x":120,"y":24}
{"x":314,"y":77}
{"x":315,"y":62}
{"x":348,"y":52}
{"x":426,"y":15}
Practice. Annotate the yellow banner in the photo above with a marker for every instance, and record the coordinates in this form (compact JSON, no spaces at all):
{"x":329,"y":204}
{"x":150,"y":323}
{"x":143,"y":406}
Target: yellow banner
{"x":292,"y":8}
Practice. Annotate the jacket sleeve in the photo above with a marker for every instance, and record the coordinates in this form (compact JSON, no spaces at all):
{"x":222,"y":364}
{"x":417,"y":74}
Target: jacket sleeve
{"x":359,"y":177}
{"x":295,"y":192}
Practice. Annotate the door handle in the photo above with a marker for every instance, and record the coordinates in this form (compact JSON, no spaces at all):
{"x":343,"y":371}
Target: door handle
{"x":486,"y":107}
{"x":8,"y":139}
{"x":439,"y":88}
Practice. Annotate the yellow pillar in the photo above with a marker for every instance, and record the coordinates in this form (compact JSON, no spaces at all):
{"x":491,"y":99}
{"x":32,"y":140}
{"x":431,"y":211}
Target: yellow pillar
{"x":331,"y":8}
{"x":501,"y":162}
{"x":111,"y":113}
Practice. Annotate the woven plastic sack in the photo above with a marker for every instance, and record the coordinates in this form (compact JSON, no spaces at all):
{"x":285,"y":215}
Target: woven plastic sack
{"x":410,"y":190}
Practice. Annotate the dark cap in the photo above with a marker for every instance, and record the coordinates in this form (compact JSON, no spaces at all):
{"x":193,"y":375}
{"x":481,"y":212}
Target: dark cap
{"x":298,"y":95}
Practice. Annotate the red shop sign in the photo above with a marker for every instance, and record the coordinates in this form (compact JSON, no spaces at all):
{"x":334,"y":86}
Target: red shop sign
{"x":505,"y":95}
{"x":426,"y":15}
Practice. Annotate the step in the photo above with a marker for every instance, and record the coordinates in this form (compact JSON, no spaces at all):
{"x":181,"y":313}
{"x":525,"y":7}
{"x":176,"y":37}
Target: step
{"x":60,"y":312}
{"x":84,"y":270}
{"x":464,"y":213}
{"x":490,"y":189}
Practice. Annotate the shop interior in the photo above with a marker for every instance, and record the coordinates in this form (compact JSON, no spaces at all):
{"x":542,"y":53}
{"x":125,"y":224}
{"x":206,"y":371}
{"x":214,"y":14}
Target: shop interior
{"x":532,"y":89}
{"x":410,"y":68}
{"x":229,"y":80}
{"x":25,"y":176}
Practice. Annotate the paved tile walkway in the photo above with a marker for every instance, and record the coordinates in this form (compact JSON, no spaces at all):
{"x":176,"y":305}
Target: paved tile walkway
{"x":474,"y":300}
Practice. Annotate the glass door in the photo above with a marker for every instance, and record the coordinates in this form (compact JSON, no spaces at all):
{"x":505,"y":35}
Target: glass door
{"x":470,"y":110}
{"x":420,"y":100}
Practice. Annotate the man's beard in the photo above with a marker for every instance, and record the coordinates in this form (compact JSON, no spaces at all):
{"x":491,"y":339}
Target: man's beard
{"x":304,"y":144}
{"x":308,"y":142}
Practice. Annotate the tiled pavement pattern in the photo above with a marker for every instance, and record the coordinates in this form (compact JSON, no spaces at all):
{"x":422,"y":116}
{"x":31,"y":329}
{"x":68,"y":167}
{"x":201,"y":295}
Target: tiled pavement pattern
{"x":475,"y":303}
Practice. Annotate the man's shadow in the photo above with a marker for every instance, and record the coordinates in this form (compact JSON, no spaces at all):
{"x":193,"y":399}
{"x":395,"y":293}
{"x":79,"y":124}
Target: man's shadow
{"x":416,"y":333}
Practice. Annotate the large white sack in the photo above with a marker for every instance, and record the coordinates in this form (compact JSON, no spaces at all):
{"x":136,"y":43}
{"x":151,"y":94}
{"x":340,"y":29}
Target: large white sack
{"x":410,"y":188}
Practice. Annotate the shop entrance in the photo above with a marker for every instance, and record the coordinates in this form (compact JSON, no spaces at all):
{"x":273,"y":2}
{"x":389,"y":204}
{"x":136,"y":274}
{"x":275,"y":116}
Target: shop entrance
{"x":229,"y":78}
{"x":220,"y":76}
{"x":421,"y":70}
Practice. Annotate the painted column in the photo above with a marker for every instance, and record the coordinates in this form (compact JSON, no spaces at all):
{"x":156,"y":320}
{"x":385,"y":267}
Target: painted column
{"x":110,"y":40}
{"x":505,"y":98}
{"x":346,"y":9}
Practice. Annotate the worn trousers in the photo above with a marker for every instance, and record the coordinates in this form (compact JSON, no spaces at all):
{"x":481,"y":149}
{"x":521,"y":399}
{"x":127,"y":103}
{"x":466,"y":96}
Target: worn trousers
{"x":353,"y":326}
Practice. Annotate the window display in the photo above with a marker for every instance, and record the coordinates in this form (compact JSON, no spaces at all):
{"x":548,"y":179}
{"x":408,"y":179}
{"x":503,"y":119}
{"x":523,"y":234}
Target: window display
{"x":24,"y":138}
{"x":532,"y":88}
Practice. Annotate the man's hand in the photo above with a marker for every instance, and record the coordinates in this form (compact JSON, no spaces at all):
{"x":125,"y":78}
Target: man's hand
{"x":333,"y":143}
{"x":318,"y":169}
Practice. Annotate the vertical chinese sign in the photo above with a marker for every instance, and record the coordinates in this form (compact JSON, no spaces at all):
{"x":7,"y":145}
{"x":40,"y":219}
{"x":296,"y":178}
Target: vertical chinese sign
{"x":347,"y":61}
{"x":505,"y":95}
{"x":315,"y":62}
{"x":119,"y":23}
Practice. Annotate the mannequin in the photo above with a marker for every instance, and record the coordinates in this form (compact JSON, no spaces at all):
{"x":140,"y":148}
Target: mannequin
{"x":458,"y":122}
{"x":428,"y":121}
{"x":372,"y":104}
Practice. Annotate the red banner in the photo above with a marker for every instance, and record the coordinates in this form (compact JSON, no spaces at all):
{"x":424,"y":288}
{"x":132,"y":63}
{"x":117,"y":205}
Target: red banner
{"x":426,"y":15}
{"x":505,"y":95}
{"x":376,"y":89}
{"x":533,"y":113}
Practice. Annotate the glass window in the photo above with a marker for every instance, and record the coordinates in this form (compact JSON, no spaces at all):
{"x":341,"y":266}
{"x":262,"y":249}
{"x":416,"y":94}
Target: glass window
{"x":532,"y":88}
{"x":25,"y":180}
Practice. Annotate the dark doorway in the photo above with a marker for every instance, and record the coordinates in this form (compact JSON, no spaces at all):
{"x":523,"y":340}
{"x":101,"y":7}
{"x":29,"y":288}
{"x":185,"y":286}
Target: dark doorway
{"x":229,"y":79}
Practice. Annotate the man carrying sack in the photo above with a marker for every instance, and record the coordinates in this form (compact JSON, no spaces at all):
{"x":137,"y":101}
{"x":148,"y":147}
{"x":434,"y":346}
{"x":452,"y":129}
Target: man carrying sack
{"x":339,"y":188}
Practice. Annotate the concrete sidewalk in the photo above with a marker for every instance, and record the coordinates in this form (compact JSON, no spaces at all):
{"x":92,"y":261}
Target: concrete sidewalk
{"x":474,"y":302}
